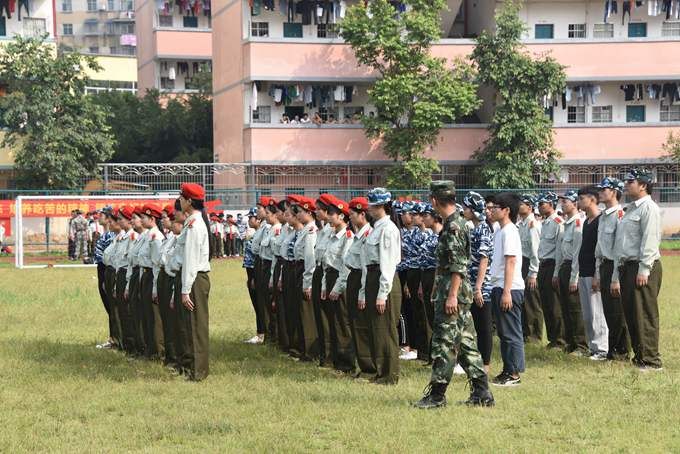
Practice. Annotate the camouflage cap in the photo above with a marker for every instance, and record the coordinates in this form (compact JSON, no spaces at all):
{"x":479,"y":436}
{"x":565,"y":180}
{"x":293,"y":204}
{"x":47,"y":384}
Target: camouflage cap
{"x":379,"y":196}
{"x":572,"y":196}
{"x":547,"y":197}
{"x":641,"y":175}
{"x":528,"y":200}
{"x":611,"y":183}
{"x":442,"y":188}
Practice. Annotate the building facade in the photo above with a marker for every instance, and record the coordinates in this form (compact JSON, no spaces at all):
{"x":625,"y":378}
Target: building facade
{"x":174,"y":45}
{"x":622,"y":100}
{"x":97,"y":27}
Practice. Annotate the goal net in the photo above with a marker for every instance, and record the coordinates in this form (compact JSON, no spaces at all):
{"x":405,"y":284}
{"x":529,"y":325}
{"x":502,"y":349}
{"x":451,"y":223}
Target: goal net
{"x":61,"y":231}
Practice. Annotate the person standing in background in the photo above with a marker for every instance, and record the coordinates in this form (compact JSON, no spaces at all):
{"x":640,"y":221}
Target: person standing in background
{"x":530,"y":234}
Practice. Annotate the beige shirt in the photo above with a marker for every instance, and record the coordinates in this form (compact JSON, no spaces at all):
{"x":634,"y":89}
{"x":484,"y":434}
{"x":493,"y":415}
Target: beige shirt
{"x":569,"y":245}
{"x":352,"y":260}
{"x":530,"y":234}
{"x":336,"y":249}
{"x":304,"y":250}
{"x":196,"y":251}
{"x":639,"y":234}
{"x":383,"y":247}
{"x":119,"y":258}
{"x":551,"y":229}
{"x":322,"y":238}
{"x":133,"y":255}
{"x":606,"y":239}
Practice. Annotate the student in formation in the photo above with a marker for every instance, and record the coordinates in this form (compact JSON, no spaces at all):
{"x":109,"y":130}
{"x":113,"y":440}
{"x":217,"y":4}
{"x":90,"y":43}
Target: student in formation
{"x":530,"y":234}
{"x":150,"y":264}
{"x":249,"y":265}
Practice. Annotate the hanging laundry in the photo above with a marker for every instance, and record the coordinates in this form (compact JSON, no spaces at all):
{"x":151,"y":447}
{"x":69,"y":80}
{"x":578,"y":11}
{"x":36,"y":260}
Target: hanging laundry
{"x":653,"y":8}
{"x":268,"y":5}
{"x":339,"y":93}
{"x":278,"y":95}
{"x":171,"y":73}
{"x":253,"y":97}
{"x":610,"y":7}
{"x":627,"y":7}
{"x":308,"y":99}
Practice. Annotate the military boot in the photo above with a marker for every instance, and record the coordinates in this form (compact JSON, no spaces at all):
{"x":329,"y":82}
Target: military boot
{"x":480,"y":396}
{"x":434,"y":396}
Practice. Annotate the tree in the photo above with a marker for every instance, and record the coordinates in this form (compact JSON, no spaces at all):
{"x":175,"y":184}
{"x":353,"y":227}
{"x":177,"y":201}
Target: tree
{"x":672,"y":148}
{"x":414,"y":93}
{"x":149,"y":129}
{"x":521,"y":135}
{"x":59,"y":134}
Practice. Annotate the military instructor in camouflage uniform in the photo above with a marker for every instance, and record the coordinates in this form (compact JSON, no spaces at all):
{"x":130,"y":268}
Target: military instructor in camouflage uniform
{"x":454,"y":338}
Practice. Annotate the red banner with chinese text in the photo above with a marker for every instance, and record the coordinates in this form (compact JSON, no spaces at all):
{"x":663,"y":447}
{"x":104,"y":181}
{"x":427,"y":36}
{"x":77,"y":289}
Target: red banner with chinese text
{"x":57,"y":208}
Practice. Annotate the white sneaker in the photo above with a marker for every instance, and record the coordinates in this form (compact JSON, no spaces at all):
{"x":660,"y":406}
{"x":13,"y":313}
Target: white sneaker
{"x":598,"y":356}
{"x":254,"y":340}
{"x":409,"y":356}
{"x":458,"y":370}
{"x":105,"y":346}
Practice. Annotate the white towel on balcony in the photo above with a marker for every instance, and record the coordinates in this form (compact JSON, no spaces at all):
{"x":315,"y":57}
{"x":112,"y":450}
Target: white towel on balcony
{"x":171,"y":73}
{"x":253,"y":97}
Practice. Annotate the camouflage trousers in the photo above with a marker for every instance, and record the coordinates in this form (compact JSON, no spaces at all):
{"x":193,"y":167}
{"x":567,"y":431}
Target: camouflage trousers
{"x":454,"y":339}
{"x":81,"y":246}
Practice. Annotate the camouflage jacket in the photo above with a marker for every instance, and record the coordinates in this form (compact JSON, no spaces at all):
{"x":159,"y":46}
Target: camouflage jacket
{"x":453,"y":256}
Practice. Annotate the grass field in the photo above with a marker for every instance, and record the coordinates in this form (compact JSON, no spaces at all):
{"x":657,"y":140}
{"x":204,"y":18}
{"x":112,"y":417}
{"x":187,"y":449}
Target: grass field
{"x":58,"y":393}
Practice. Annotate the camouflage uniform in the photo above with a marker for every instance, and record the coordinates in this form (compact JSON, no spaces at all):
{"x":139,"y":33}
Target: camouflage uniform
{"x":454,"y":336}
{"x":80,"y":227}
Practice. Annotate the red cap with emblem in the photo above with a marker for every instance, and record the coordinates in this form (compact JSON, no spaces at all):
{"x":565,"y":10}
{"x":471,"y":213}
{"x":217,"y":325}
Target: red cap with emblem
{"x":306,"y":203}
{"x":139,"y":209}
{"x":169,"y":209}
{"x":294,"y":199}
{"x":325,"y":199}
{"x":339,"y":204}
{"x":358,"y":203}
{"x":153,"y":210}
{"x":192,"y":191}
{"x":126,"y":211}
{"x":266,"y":201}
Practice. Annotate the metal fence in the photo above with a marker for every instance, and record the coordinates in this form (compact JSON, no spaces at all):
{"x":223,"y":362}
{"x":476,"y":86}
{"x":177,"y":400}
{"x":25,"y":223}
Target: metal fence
{"x":238,"y":185}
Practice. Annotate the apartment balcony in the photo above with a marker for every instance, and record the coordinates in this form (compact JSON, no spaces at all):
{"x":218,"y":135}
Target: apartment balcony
{"x":326,"y":59}
{"x":597,"y":144}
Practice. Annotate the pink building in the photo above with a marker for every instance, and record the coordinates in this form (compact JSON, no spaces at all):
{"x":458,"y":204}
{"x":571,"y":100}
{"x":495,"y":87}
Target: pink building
{"x":623,"y":94}
{"x":174,"y":43}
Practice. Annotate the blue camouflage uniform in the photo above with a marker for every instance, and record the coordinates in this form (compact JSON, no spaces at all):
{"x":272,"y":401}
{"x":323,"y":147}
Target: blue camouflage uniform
{"x":481,"y":245}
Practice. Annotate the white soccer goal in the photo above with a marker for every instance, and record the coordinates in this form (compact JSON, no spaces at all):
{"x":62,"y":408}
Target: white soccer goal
{"x":41,"y":225}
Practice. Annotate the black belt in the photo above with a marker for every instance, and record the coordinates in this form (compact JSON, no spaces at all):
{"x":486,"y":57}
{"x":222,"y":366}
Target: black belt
{"x":567,"y":262}
{"x":135,"y":268}
{"x":354,"y":269}
{"x":266,"y":261}
{"x":375,"y":267}
{"x":607,"y":261}
{"x":300,"y":262}
{"x":546,"y":261}
{"x":146,"y":268}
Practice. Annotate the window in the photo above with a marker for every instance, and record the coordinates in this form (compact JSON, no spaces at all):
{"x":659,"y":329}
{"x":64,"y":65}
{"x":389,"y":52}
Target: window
{"x":263,"y":114}
{"x":291,"y":30}
{"x":91,"y":28}
{"x":576,"y":114}
{"x":3,"y":26}
{"x":297,"y":191}
{"x":670,"y":29}
{"x":127,"y":5}
{"x":167,"y":83}
{"x":670,"y":112}
{"x":544,"y":31}
{"x":577,"y":30}
{"x":190,"y":22}
{"x":635,"y":114}
{"x":327,"y":31}
{"x":637,"y":30}
{"x":259,"y":29}
{"x":122,"y":50}
{"x":602,"y":114}
{"x":325,"y":113}
{"x":94,"y":49}
{"x":66,"y":6}
{"x":603,"y":31}
{"x":92,"y":5}
{"x":67,"y":29}
{"x":111,"y":5}
{"x":351,"y":111}
{"x":165,"y":21}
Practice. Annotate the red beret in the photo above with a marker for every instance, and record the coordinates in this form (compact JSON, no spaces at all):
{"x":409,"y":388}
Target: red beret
{"x":126,"y":211}
{"x":138,"y":210}
{"x":294,"y":199}
{"x":337,"y":203}
{"x":266,"y":201}
{"x":192,"y":191}
{"x":306,"y":203}
{"x":358,"y":203}
{"x":153,"y":210}
{"x":326,"y":199}
{"x":169,"y":209}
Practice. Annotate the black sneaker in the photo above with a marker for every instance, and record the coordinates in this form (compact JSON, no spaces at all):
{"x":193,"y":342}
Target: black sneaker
{"x":505,"y":379}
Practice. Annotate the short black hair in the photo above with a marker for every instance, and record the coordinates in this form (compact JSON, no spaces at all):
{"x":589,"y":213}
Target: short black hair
{"x":283,"y":204}
{"x":589,"y":190}
{"x":508,"y":200}
{"x":449,"y":199}
{"x":272,"y":208}
{"x":489,"y":198}
{"x":649,"y":186}
{"x":178,"y":205}
{"x":332,"y":209}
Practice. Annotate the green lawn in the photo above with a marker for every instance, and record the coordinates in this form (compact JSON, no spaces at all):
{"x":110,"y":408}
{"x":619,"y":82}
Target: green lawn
{"x":58,"y":393}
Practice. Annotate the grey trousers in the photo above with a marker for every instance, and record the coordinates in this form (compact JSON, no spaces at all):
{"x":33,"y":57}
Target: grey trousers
{"x":594,"y":321}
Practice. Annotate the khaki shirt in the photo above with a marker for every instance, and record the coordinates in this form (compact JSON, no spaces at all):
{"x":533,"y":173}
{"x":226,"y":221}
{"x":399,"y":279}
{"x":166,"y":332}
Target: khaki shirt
{"x":352,"y":260}
{"x":119,"y":258}
{"x":337,"y":247}
{"x":176,"y":257}
{"x":530,"y":235}
{"x":133,"y":255}
{"x":382,"y":247}
{"x":107,"y":255}
{"x":150,"y":253}
{"x":257,"y":238}
{"x":267,"y":244}
{"x":166,"y":251}
{"x":639,"y":235}
{"x":280,"y":249}
{"x":304,"y":250}
{"x":569,"y":245}
{"x":550,"y":234}
{"x":606,"y":239}
{"x":322,"y":239}
{"x":196,"y":251}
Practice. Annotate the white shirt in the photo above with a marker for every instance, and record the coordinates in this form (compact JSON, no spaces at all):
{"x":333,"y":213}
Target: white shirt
{"x":196,"y":251}
{"x":506,"y":242}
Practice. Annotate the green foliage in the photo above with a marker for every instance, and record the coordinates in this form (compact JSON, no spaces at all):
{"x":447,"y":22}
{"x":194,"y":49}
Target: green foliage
{"x":415,"y":93}
{"x":58,"y":133}
{"x":149,"y":131}
{"x":521,"y":142}
{"x":672,"y":147}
